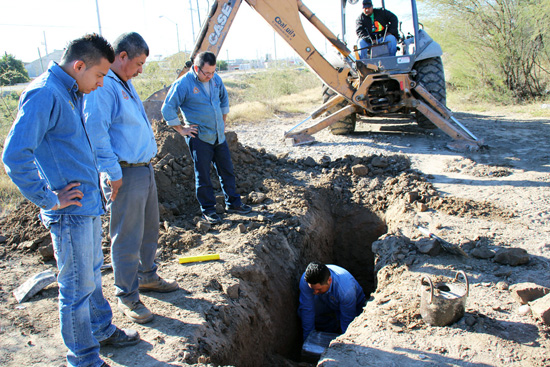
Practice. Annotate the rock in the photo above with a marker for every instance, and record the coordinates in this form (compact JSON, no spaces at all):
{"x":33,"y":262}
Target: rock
{"x":524,"y":310}
{"x":203,"y":226}
{"x":470,"y":320}
{"x":502,"y":286}
{"x":232,"y":290}
{"x":482,"y":253}
{"x":428,"y":246}
{"x":379,"y":162}
{"x":310,"y":162}
{"x":46,"y":252}
{"x":541,"y":309}
{"x":411,"y":196}
{"x":360,"y":170}
{"x":421,"y":207}
{"x":241,"y":227}
{"x":527,"y":292}
{"x":256,"y":197}
{"x":3,"y":239}
{"x":512,"y":256}
{"x":33,"y":285}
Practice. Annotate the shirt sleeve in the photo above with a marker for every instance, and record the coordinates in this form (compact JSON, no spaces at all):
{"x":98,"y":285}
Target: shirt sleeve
{"x":224,"y":99}
{"x":306,"y":309}
{"x":98,"y":113}
{"x":174,"y":98}
{"x":348,"y":309}
{"x":361,"y":28}
{"x":393,"y":26}
{"x":37,"y":113}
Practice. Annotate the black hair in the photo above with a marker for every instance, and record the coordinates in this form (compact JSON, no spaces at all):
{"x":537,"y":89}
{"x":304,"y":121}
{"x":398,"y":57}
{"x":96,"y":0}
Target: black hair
{"x":132,"y":43}
{"x":317,"y":273}
{"x":90,"y":49}
{"x":205,"y":57}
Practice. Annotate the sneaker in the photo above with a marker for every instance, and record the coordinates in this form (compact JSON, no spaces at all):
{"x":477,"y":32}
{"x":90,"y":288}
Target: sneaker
{"x":159,"y":285}
{"x":243,"y":209}
{"x":212,"y":218}
{"x":121,"y":338}
{"x":135,"y":311}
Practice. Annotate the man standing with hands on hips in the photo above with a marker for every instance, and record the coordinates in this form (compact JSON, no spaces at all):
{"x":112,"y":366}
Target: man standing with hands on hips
{"x":203,"y":101}
{"x":48,"y":156}
{"x":125,"y":144}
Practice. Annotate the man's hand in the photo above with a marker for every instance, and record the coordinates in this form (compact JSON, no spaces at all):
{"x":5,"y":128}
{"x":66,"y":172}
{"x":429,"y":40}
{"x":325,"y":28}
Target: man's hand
{"x":69,"y":196}
{"x":187,"y":130}
{"x":115,"y":186}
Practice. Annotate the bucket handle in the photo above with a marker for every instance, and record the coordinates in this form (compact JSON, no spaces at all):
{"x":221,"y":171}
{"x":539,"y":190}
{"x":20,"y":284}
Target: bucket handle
{"x":460,"y":272}
{"x":431,"y":287}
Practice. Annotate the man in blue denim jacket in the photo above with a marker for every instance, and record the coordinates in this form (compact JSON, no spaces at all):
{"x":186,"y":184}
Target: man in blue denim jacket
{"x":125,"y":144}
{"x":330,"y":298}
{"x":203,"y":101}
{"x":48,"y":156}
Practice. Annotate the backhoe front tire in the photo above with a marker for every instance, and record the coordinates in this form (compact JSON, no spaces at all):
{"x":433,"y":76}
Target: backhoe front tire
{"x":342,"y":127}
{"x":431,"y":75}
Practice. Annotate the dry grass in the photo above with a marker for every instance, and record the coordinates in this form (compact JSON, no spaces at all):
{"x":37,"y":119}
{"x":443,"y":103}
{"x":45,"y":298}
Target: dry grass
{"x":463,"y":102}
{"x":249,"y":112}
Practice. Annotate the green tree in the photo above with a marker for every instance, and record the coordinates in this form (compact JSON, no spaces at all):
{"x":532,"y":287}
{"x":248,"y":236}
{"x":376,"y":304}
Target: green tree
{"x":499,"y":44}
{"x":222,"y":64}
{"x":12,"y":70}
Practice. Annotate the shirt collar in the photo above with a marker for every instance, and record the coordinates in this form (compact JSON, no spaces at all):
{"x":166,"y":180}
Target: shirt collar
{"x":68,"y":81}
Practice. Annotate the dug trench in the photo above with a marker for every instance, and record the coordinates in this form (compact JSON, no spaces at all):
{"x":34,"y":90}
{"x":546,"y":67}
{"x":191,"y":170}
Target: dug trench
{"x":241,"y":310}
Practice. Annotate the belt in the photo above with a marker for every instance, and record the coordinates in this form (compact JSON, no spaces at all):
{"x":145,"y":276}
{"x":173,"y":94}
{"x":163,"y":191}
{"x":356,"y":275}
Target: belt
{"x":124,"y":164}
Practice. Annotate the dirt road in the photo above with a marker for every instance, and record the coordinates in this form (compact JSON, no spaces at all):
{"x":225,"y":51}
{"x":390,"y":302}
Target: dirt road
{"x":310,"y":203}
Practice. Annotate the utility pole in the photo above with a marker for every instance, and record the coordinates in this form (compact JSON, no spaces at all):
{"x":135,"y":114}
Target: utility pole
{"x":177,"y":30}
{"x":45,"y":44}
{"x":199,"y":15}
{"x":98,"y":20}
{"x":192,"y":25}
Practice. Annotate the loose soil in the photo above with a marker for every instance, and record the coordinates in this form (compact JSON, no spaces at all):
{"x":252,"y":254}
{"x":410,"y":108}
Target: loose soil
{"x":355,"y":201}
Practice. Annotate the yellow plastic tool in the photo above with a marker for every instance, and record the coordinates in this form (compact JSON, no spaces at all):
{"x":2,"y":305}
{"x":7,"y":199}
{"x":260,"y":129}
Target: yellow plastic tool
{"x":192,"y":259}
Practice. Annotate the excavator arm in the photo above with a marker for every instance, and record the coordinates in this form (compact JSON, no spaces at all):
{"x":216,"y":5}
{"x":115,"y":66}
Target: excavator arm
{"x":351,"y":81}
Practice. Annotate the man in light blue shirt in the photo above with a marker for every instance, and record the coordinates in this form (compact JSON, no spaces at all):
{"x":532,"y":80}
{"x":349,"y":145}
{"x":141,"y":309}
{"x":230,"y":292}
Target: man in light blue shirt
{"x":125,"y":143}
{"x":48,"y":156}
{"x":330,"y":298}
{"x":203,"y":101}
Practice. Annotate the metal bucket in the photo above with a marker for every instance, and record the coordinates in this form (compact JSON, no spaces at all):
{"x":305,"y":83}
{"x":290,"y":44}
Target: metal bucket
{"x":444,"y":305}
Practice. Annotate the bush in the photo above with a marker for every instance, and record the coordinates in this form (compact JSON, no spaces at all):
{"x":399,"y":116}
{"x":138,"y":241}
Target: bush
{"x":12,"y":71}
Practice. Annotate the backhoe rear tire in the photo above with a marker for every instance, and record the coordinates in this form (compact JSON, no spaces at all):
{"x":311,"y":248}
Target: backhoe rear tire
{"x":342,"y":127}
{"x":431,"y":75}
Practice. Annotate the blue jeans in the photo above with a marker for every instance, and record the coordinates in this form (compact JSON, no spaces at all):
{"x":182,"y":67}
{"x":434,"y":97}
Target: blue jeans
{"x":203,"y":154}
{"x":85,"y":315}
{"x":392,"y":44}
{"x":134,"y":230}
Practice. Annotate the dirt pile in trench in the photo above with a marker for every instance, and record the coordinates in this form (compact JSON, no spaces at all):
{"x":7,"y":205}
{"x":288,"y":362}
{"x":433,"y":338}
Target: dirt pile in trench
{"x":304,"y":210}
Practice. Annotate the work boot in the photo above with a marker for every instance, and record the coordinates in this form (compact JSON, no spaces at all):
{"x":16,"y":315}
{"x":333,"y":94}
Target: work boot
{"x":121,"y":338}
{"x":243,"y":209}
{"x":159,"y":285}
{"x":135,"y":311}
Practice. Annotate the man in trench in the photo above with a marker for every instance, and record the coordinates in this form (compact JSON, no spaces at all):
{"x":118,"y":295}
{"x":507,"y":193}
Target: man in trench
{"x":330,"y":298}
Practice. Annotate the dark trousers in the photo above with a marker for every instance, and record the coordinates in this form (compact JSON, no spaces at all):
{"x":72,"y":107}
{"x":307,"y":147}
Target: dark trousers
{"x":203,"y":154}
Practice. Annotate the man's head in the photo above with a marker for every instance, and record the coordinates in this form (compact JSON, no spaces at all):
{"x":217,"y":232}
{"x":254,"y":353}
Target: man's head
{"x":87,"y":60}
{"x":205,"y":65}
{"x":318,"y":277}
{"x":367,"y":7}
{"x":131,"y":52}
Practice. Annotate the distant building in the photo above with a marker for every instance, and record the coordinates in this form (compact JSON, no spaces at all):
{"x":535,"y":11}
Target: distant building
{"x":37,"y":67}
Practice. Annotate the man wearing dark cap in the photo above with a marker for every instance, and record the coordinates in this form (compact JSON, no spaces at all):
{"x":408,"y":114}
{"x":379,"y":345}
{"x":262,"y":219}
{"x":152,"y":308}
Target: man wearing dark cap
{"x":376,"y":26}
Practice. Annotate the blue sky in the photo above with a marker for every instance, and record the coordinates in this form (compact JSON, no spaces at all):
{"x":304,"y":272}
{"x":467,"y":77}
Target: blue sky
{"x":23,"y":25}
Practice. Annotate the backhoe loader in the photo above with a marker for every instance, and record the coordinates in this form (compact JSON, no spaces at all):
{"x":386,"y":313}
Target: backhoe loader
{"x":412,"y":81}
